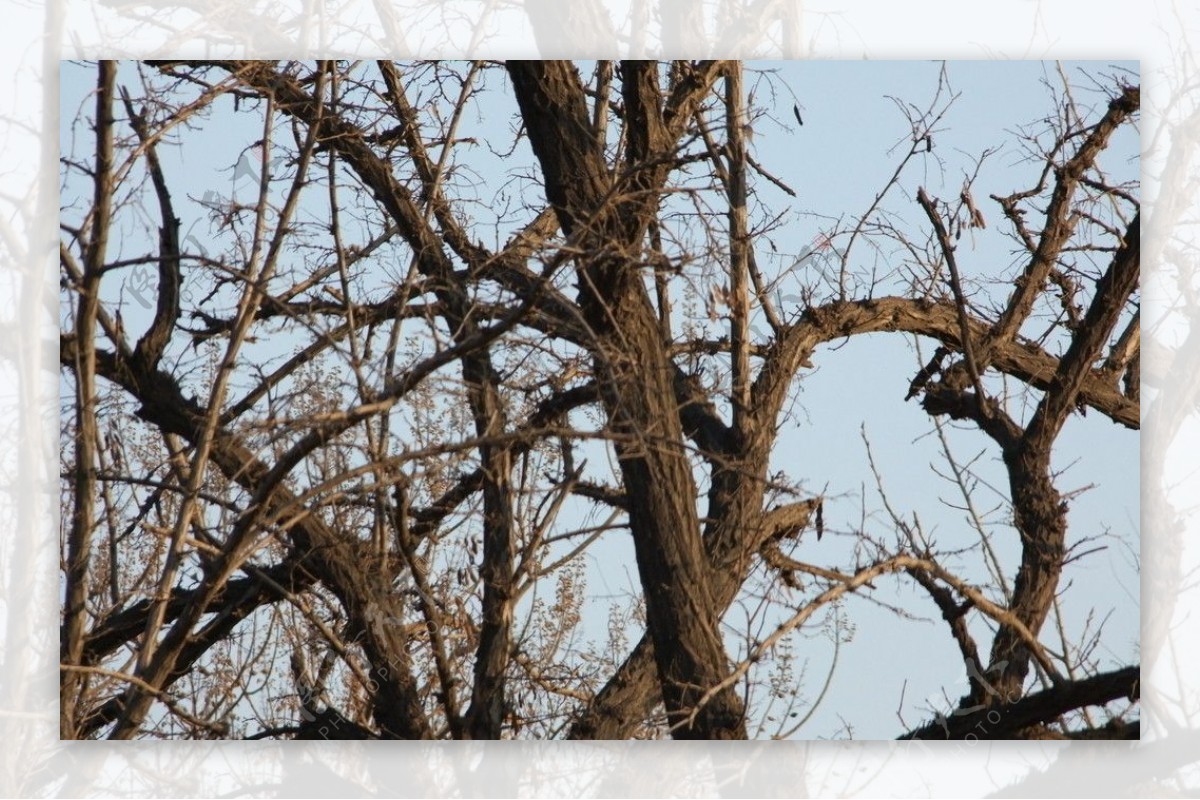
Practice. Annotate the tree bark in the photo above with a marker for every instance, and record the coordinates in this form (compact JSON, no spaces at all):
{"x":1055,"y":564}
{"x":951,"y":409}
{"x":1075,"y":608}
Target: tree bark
{"x":636,"y":379}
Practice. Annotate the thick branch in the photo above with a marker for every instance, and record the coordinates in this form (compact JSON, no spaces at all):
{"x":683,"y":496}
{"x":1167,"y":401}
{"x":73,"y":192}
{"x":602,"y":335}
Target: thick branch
{"x":1022,"y":360}
{"x":1006,"y":721}
{"x":84,"y":364}
{"x":1060,"y":221}
{"x":150,"y":347}
{"x":1075,"y":367}
{"x":636,"y":377}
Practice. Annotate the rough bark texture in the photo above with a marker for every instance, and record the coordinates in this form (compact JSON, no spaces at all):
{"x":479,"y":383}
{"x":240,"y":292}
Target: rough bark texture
{"x":702,"y":502}
{"x":636,"y":381}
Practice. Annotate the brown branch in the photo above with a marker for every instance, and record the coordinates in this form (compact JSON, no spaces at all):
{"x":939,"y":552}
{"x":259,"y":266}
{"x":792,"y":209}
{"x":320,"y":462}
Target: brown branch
{"x":1060,"y":221}
{"x":1127,"y":348}
{"x":955,"y":615}
{"x":1008,"y":721}
{"x":398,"y":709}
{"x":1075,"y":367}
{"x":632,"y":367}
{"x":937,"y":320}
{"x":974,"y":368}
{"x":84,"y":364}
{"x":631,"y":693}
{"x":150,"y":347}
{"x":739,"y":249}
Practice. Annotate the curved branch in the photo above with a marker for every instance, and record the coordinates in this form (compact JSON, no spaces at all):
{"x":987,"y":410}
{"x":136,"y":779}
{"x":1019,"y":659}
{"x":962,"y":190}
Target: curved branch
{"x":937,"y":320}
{"x":150,"y":347}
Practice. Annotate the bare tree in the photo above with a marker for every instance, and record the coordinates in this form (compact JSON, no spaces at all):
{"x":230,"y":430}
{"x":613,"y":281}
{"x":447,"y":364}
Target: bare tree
{"x":335,"y":454}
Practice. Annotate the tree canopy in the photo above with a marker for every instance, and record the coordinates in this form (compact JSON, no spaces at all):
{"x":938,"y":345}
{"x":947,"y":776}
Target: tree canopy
{"x":352,"y":431}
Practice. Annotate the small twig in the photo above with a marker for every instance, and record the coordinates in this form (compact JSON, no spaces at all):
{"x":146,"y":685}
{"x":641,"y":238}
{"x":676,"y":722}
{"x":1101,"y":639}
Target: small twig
{"x":960,"y":301}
